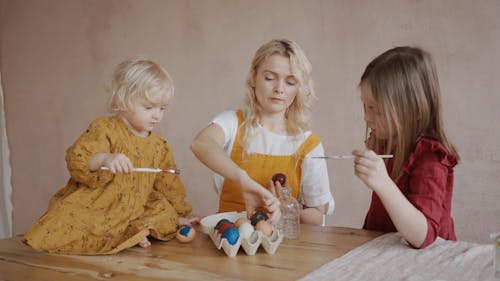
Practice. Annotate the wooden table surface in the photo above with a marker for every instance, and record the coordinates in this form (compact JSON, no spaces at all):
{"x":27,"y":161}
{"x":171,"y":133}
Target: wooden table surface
{"x":198,"y":260}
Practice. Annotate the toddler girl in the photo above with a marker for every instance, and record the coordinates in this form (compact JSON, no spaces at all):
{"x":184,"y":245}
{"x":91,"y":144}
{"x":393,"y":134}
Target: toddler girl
{"x":105,"y":211}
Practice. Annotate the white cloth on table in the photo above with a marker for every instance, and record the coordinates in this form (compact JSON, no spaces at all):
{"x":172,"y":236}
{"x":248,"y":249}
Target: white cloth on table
{"x":389,"y":257}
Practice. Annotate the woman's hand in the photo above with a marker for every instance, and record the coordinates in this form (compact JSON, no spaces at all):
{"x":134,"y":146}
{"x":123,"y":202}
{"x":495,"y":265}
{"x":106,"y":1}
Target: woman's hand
{"x":370,"y":168}
{"x":207,"y":146}
{"x":256,"y":196}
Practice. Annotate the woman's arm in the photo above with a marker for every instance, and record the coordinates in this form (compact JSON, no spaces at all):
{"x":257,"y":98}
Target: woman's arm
{"x":207,"y":147}
{"x":313,"y":215}
{"x":315,"y":188}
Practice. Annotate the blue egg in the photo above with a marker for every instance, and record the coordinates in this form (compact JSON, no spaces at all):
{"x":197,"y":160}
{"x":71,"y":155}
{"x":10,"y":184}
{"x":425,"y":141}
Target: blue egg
{"x":185,"y":230}
{"x":231,"y":234}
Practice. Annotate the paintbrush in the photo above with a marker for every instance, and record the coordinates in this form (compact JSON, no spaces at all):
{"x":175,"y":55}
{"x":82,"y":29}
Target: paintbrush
{"x":340,"y":157}
{"x":152,"y":170}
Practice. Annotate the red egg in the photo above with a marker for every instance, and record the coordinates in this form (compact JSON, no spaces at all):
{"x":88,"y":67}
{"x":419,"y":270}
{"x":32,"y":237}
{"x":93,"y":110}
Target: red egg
{"x":279,"y":177}
{"x":225,"y":226}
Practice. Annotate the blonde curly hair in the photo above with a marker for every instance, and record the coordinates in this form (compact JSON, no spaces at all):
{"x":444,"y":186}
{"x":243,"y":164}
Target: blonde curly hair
{"x":138,"y":77}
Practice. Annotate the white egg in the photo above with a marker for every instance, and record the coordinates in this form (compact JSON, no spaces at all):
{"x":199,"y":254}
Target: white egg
{"x":246,"y":229}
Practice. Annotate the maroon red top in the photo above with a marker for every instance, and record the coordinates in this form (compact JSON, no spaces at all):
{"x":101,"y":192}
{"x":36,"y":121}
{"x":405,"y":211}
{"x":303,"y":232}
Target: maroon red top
{"x":427,"y":182}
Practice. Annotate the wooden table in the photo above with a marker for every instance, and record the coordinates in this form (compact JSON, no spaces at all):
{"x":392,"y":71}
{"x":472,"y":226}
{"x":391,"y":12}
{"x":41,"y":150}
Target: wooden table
{"x":199,"y":260}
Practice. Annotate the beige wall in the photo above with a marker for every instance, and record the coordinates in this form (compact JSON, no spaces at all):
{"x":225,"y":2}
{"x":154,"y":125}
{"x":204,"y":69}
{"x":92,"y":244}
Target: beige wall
{"x":57,"y":56}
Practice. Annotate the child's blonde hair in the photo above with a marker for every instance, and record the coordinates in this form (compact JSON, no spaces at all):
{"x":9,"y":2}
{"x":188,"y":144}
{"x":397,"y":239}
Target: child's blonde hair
{"x":298,"y":115}
{"x":405,"y":86}
{"x":138,"y":77}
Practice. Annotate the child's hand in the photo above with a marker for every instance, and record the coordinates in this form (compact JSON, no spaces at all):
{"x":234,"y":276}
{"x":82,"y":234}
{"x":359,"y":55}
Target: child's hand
{"x":370,"y":168}
{"x":189,"y":220}
{"x":117,"y":163}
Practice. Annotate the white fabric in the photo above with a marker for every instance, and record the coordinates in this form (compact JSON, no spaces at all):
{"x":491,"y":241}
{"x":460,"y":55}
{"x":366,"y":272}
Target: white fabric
{"x":5,"y":186}
{"x":389,"y":257}
{"x":315,"y":182}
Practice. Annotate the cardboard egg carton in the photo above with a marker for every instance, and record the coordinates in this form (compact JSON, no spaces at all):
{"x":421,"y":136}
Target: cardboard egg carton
{"x":250,"y":245}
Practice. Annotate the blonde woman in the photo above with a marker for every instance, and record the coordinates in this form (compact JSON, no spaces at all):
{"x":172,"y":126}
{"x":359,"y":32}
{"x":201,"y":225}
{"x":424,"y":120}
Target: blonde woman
{"x":412,"y":192}
{"x":270,"y":134}
{"x":106,"y":211}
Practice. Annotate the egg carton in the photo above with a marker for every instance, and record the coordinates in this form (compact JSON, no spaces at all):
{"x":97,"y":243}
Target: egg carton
{"x":250,"y":245}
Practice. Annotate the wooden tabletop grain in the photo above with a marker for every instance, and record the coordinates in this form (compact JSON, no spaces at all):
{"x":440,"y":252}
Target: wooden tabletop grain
{"x":198,"y":260}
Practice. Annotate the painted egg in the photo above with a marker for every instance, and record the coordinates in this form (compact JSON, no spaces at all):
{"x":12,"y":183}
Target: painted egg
{"x":246,"y":229}
{"x":279,"y":177}
{"x":232,"y":235}
{"x":264,"y":227}
{"x":221,"y":223}
{"x":185,"y":234}
{"x":258,"y":216}
{"x":239,"y":221}
{"x":225,"y":226}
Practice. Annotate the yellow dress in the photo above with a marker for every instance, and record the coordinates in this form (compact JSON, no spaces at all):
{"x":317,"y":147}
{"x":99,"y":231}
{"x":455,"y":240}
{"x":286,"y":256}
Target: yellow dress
{"x":103,"y":213}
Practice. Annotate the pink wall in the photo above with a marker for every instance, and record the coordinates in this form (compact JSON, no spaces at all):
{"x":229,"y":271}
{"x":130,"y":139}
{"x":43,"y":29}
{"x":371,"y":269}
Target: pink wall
{"x":57,"y":56}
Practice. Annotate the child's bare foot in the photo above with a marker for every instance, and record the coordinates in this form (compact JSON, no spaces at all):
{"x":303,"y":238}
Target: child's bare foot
{"x":189,"y":220}
{"x":144,"y":243}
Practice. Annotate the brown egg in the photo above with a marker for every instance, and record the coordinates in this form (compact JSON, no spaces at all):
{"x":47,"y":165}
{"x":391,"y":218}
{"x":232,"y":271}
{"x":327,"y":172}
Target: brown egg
{"x":239,"y":221}
{"x":185,"y":234}
{"x":264,"y":227}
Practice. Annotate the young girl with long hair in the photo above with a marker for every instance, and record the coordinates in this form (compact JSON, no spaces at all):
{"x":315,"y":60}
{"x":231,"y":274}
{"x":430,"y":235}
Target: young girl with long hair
{"x":412,"y":192}
{"x":104,"y":211}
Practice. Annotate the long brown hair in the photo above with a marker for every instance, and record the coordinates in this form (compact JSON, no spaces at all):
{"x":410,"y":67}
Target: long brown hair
{"x":405,"y":86}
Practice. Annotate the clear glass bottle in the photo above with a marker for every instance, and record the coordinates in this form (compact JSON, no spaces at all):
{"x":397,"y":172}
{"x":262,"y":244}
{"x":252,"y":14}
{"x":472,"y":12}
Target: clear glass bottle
{"x":289,"y":223}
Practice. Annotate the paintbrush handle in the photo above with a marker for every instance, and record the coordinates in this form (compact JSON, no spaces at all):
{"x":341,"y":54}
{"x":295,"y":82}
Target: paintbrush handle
{"x":348,"y":156}
{"x":152,"y":170}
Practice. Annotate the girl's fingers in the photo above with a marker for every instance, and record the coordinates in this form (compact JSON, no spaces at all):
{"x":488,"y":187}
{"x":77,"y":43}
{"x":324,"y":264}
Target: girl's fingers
{"x":130,"y":167}
{"x":371,"y":154}
{"x":117,"y":168}
{"x":365,"y":154}
{"x":357,"y":153}
{"x":365,"y":162}
{"x":361,"y":169}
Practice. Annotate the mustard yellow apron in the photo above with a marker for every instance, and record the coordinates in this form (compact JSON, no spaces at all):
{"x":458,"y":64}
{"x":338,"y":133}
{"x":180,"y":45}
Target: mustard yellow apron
{"x":261,"y":167}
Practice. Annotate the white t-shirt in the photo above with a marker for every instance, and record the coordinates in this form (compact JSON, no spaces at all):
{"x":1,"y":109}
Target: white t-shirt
{"x":315,"y":183}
